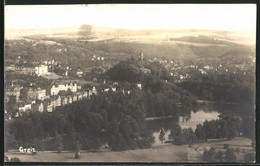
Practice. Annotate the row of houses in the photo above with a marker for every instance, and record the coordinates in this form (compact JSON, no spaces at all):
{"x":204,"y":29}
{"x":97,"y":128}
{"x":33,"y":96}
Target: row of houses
{"x":31,"y":92}
{"x":38,"y":70}
{"x":35,"y":99}
{"x":50,"y":104}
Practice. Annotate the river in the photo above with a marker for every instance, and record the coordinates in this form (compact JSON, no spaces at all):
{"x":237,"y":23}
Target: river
{"x":198,"y":116}
{"x":191,"y":121}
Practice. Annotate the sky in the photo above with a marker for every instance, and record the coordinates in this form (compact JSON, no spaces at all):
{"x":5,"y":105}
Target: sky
{"x":229,"y":17}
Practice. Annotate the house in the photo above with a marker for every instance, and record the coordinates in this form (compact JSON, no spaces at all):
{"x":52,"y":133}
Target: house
{"x":26,"y":70}
{"x":33,"y":93}
{"x":139,"y":86}
{"x":79,"y":95}
{"x":48,"y":107}
{"x":55,"y":89}
{"x":113,"y":89}
{"x":74,"y":97}
{"x":41,"y":70}
{"x":64,"y":100}
{"x":86,"y":94}
{"x":29,"y":93}
{"x":79,"y":73}
{"x":25,"y":107}
{"x":69,"y":99}
{"x":58,"y":101}
{"x":40,"y":93}
{"x":53,"y":101}
{"x":38,"y":106}
{"x":14,"y":91}
{"x":94,"y":90}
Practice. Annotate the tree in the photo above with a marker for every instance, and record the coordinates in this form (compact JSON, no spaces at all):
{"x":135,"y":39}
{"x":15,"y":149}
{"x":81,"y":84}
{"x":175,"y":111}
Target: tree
{"x":223,"y":130}
{"x":230,"y":156}
{"x":78,"y":148}
{"x":59,"y":143}
{"x":177,"y":135}
{"x":200,"y":132}
{"x":209,"y":155}
{"x":249,"y":158}
{"x":219,"y":156}
{"x":189,"y":135}
{"x":162,"y":135}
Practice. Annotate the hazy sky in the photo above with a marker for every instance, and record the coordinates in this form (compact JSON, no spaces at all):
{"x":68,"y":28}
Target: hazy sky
{"x":233,"y":17}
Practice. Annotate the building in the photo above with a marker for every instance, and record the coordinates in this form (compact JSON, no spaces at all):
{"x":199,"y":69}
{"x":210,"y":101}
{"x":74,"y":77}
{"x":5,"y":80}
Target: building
{"x":113,"y":89}
{"x":38,"y":106}
{"x":14,"y":91}
{"x":28,"y":93}
{"x":74,"y":98}
{"x":55,"y":89}
{"x":25,"y":107}
{"x":79,"y":73}
{"x":40,"y":93}
{"x":141,"y":57}
{"x":69,"y":99}
{"x":33,"y":93}
{"x":26,"y":70}
{"x":55,"y":101}
{"x":139,"y":86}
{"x":48,"y":107}
{"x":58,"y":101}
{"x":86,"y":94}
{"x":64,"y":100}
{"x":41,"y":70}
{"x":94,"y":90}
{"x":80,"y":96}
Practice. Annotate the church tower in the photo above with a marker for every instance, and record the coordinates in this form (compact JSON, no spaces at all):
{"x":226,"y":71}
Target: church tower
{"x":141,"y":56}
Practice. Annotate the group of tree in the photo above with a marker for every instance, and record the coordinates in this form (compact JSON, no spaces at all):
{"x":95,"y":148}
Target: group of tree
{"x":224,"y":127}
{"x":231,"y":87}
{"x":212,"y":155}
{"x":182,"y":136}
{"x":160,"y":94}
{"x":133,"y":70}
{"x":111,"y":118}
{"x":229,"y":156}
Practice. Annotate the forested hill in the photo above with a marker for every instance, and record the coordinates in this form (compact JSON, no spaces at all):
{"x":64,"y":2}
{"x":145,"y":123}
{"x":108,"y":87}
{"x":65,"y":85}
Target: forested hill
{"x":135,"y":71}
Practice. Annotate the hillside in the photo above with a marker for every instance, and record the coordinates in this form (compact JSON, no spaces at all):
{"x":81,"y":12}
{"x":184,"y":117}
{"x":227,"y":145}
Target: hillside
{"x":97,"y":33}
{"x":76,"y":46}
{"x":79,"y":54}
{"x":135,"y":71}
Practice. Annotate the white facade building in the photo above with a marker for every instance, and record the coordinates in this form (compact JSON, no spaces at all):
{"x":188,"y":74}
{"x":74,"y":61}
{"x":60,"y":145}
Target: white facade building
{"x":63,"y":87}
{"x":41,"y":70}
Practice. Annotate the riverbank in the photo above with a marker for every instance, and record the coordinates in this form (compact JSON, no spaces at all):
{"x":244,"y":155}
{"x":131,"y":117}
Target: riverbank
{"x":158,"y":153}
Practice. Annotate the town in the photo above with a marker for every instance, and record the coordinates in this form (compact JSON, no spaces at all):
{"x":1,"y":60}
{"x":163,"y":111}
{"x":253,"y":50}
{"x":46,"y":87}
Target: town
{"x":63,"y":90}
{"x":28,"y":96}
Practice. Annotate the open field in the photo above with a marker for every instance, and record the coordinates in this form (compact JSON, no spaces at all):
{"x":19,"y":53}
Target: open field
{"x":163,"y":153}
{"x":159,"y":153}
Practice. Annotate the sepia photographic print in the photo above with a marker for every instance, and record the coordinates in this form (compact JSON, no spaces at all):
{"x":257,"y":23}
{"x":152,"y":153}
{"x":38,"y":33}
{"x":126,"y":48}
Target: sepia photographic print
{"x":130,"y":83}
